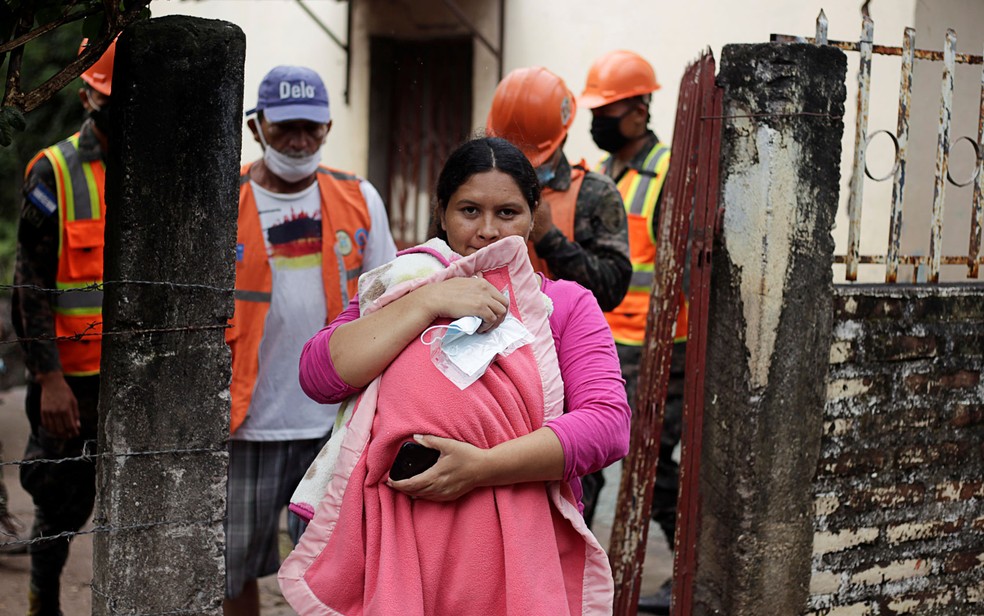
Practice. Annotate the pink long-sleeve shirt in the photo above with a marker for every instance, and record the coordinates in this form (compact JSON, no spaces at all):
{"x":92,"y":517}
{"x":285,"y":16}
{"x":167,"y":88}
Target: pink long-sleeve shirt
{"x":594,"y":429}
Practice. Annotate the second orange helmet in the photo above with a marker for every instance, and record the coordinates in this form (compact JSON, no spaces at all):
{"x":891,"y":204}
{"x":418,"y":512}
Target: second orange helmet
{"x":617,"y":75}
{"x":99,"y":76}
{"x":533,"y":109}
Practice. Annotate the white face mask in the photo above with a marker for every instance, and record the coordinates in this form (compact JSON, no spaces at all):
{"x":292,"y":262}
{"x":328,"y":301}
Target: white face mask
{"x":463,"y":355}
{"x":289,"y":168}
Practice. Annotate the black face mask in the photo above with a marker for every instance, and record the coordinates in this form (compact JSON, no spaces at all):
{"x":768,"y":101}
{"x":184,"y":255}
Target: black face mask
{"x":606,"y":132}
{"x":100,"y":117}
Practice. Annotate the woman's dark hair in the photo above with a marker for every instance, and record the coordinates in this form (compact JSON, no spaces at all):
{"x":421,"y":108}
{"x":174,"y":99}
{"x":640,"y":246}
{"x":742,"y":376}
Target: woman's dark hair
{"x":478,"y":156}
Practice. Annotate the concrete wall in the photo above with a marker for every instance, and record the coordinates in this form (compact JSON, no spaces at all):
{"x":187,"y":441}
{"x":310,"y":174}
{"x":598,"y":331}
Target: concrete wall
{"x":898,"y":491}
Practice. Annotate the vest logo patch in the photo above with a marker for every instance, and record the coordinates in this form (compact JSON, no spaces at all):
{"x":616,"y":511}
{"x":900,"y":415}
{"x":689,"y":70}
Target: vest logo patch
{"x":42,"y":198}
{"x":343,"y":243}
{"x":361,"y":239}
{"x":240,"y":251}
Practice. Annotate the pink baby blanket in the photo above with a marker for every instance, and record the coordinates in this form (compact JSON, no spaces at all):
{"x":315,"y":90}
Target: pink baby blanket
{"x":519,"y":549}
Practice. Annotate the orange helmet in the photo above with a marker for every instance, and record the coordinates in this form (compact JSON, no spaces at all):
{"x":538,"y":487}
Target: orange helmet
{"x":99,"y":76}
{"x":617,"y":75}
{"x":533,"y":109}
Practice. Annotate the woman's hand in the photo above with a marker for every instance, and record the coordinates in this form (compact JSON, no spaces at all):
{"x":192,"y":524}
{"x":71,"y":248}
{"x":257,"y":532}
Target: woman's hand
{"x":462,"y":297}
{"x":361,"y":349}
{"x":458,"y":471}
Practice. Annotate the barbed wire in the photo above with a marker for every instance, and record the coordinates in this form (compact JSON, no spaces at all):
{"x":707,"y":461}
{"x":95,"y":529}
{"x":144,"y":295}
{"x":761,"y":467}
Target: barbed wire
{"x":107,"y":528}
{"x":775,"y":115}
{"x":89,"y":331}
{"x":91,"y":457}
{"x":99,"y":286}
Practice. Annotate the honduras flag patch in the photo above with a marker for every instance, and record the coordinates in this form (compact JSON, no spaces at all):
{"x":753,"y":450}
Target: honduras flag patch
{"x":43,"y":199}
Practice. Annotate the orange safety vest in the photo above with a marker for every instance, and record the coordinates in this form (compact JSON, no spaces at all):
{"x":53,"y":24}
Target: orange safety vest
{"x":562,"y":207}
{"x":640,"y":189}
{"x":345,"y":225}
{"x":81,"y":221}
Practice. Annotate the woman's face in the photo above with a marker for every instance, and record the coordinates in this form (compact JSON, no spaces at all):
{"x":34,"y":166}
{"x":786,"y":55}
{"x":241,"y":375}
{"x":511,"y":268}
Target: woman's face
{"x":486,"y":208}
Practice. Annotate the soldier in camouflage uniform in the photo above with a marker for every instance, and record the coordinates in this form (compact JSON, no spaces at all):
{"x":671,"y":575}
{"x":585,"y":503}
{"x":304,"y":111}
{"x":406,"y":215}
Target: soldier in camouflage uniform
{"x":618,"y":92}
{"x":579,"y":229}
{"x":597,"y":257}
{"x":59,"y":245}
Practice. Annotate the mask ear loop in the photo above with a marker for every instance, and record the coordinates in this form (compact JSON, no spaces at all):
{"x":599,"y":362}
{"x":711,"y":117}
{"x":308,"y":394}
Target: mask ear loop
{"x":435,"y":338}
{"x":259,"y":131}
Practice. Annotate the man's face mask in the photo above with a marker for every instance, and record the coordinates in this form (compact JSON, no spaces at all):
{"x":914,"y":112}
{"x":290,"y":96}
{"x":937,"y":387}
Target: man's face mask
{"x":463,"y":355}
{"x":285,"y":166}
{"x":545,"y":173}
{"x":547,"y":170}
{"x":100,"y":115}
{"x":607,"y":132}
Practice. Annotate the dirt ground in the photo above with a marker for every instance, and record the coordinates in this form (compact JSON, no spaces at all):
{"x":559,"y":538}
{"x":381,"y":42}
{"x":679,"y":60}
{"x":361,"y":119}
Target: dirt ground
{"x":76,"y":596}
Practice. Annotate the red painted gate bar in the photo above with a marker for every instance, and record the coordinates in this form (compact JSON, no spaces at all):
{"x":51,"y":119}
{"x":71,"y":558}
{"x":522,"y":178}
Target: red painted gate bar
{"x":690,"y":167}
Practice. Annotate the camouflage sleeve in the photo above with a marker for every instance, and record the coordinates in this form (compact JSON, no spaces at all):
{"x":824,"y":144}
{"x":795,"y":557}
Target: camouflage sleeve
{"x":37,"y":265}
{"x":598,"y":258}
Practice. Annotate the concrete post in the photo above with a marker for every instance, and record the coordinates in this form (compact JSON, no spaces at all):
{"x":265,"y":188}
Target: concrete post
{"x":769,"y":326}
{"x":172,"y":195}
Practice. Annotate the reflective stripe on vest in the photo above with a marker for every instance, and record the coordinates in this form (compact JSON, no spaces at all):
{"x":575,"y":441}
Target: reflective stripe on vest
{"x":345,"y":223}
{"x":562,"y":209}
{"x":79,"y":186}
{"x":640,"y":190}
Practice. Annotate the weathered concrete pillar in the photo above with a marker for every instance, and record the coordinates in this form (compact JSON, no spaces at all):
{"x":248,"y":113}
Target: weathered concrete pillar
{"x":172,"y":195}
{"x":769,"y":326}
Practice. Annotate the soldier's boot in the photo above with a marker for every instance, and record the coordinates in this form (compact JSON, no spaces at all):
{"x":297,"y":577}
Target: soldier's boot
{"x":47,"y":561}
{"x":40,"y":603}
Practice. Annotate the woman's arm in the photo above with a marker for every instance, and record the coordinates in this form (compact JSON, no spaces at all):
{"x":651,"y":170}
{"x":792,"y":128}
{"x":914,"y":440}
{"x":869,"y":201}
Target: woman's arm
{"x":591,"y":435}
{"x":594,"y":432}
{"x":363,"y":348}
{"x":462,"y":467}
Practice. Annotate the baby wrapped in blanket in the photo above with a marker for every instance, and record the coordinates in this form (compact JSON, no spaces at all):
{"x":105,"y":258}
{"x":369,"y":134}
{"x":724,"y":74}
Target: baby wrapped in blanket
{"x":520,"y":548}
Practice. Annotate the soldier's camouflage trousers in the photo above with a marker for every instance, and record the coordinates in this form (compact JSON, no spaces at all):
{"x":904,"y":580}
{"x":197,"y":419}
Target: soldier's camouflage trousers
{"x":63,"y":493}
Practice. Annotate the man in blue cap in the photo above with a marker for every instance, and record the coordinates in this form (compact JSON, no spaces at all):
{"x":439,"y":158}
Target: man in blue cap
{"x":306,"y":233}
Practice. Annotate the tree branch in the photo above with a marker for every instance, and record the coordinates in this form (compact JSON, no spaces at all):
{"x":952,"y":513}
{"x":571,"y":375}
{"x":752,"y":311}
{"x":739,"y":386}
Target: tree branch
{"x":29,"y":101}
{"x":48,"y":27}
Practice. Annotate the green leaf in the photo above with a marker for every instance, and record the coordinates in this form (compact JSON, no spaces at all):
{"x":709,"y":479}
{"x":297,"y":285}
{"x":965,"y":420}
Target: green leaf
{"x":15,"y":117}
{"x":47,"y":13}
{"x":6,"y":135}
{"x":93,"y":26}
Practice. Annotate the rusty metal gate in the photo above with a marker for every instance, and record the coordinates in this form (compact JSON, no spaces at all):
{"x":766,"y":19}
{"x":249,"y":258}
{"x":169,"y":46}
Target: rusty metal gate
{"x":691,"y":194}
{"x":929,"y":265}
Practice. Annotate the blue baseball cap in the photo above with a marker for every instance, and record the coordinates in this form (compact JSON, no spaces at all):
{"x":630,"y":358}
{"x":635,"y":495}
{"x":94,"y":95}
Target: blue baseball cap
{"x":293,"y":93}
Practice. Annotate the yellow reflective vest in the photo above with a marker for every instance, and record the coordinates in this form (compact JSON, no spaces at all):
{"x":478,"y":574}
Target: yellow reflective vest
{"x":640,"y":189}
{"x":77,"y":306}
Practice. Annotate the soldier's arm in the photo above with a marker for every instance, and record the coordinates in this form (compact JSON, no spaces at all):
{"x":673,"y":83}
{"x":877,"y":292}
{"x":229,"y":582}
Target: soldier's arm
{"x":36,"y":266}
{"x":598,"y":258}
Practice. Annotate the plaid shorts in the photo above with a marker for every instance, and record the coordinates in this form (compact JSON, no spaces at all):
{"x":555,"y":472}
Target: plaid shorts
{"x":262,"y":478}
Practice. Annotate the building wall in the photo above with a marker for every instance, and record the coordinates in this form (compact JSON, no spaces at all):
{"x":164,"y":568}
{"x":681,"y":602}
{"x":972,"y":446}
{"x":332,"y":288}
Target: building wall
{"x":898,"y":490}
{"x":563,"y":35}
{"x":567,"y":35}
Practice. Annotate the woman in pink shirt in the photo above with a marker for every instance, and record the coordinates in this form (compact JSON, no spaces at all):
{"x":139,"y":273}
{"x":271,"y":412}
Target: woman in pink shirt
{"x":487,"y":191}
